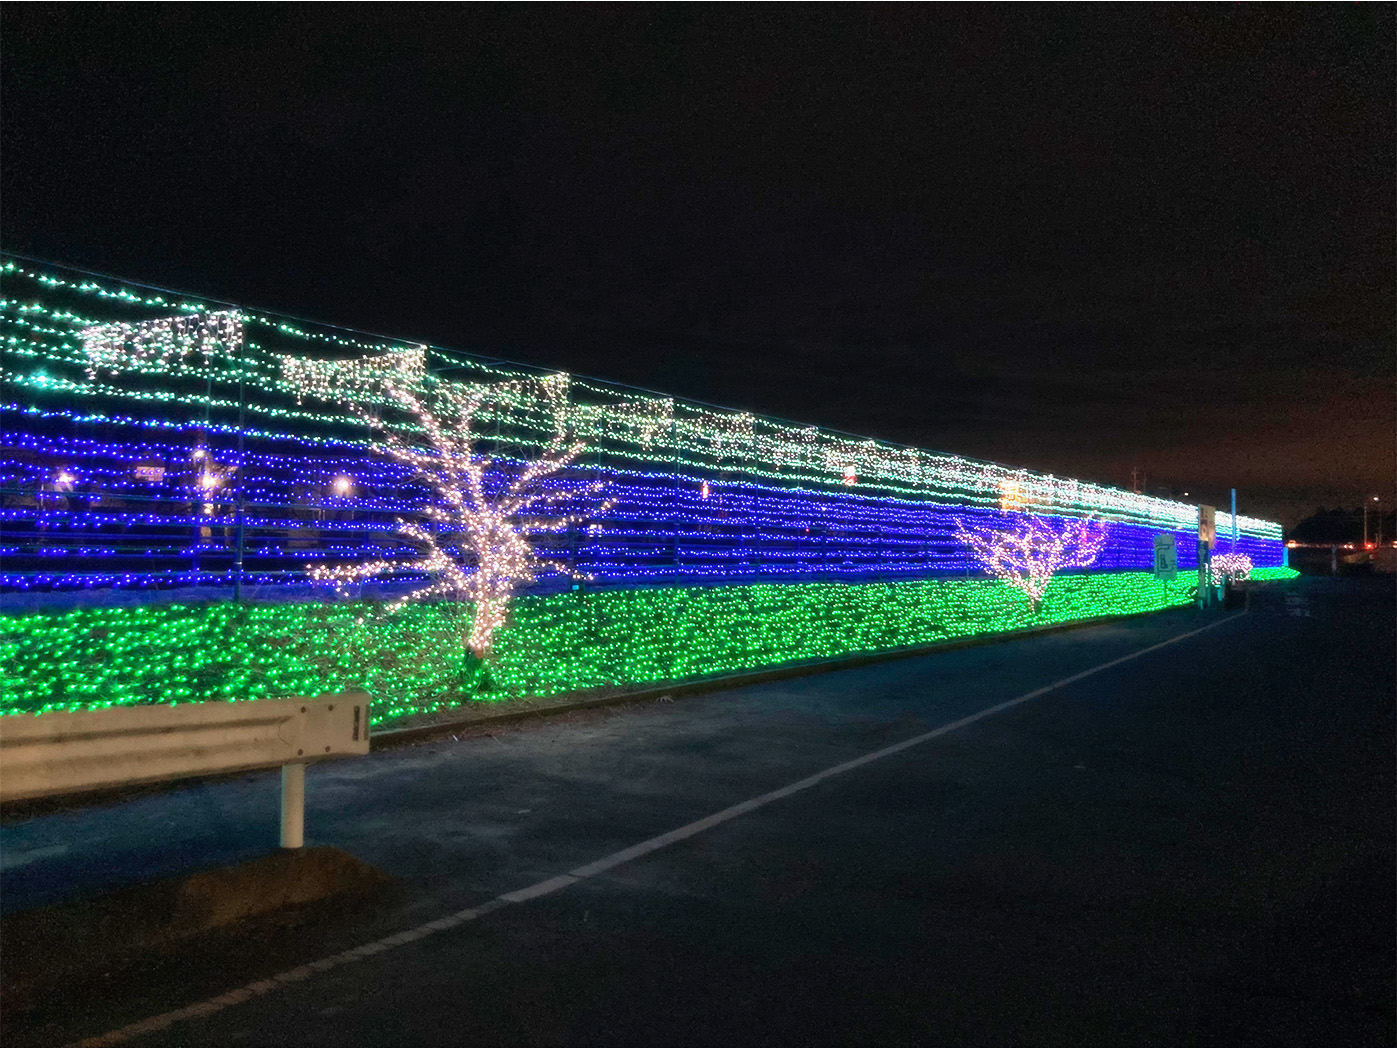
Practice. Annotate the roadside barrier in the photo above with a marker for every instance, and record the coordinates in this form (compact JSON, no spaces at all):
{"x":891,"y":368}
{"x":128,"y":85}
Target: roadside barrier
{"x":62,"y":752}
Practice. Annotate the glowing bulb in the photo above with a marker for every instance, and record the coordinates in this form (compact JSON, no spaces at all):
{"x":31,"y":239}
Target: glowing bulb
{"x":1012,"y":495}
{"x":207,"y":481}
{"x":343,"y":484}
{"x":64,"y":477}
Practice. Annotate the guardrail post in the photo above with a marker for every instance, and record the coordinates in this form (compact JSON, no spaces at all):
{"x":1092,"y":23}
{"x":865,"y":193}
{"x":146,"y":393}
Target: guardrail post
{"x":293,"y":806}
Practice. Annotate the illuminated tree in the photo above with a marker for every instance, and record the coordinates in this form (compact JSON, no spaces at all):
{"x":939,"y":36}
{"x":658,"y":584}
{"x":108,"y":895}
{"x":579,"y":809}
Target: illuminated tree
{"x":475,"y":541}
{"x":1030,"y":549}
{"x":1234,"y":567}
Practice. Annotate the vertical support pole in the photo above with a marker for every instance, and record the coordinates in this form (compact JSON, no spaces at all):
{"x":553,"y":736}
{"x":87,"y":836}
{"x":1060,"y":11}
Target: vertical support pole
{"x":242,"y":482}
{"x":293,"y":806}
{"x":674,"y":492}
{"x":1234,"y":520}
{"x":207,"y":464}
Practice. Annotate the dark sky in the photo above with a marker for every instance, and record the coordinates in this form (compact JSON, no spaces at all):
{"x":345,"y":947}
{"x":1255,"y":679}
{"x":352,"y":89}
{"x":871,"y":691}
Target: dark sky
{"x":1076,"y":238}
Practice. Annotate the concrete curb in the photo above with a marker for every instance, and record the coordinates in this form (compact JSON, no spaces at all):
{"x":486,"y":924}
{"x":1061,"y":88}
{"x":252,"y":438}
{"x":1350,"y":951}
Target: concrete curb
{"x":566,"y":703}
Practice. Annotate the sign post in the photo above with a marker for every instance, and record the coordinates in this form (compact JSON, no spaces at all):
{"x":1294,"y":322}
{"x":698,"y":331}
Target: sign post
{"x":1207,"y":538}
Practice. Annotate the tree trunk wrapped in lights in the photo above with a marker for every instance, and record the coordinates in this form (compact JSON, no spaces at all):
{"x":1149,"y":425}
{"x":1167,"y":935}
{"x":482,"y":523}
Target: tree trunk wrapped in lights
{"x":475,"y":542}
{"x":1029,"y":549}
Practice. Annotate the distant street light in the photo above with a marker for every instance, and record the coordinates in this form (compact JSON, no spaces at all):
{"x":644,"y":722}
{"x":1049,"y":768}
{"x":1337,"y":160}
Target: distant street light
{"x":1365,"y":523}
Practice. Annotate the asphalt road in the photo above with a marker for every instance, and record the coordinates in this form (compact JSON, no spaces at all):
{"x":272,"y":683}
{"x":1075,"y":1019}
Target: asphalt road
{"x":1193,"y":846}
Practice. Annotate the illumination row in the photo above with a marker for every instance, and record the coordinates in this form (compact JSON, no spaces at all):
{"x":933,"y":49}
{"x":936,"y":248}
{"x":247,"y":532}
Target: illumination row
{"x":414,"y":662}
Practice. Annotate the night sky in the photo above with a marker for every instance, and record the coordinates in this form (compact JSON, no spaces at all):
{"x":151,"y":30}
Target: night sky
{"x":1078,"y":239}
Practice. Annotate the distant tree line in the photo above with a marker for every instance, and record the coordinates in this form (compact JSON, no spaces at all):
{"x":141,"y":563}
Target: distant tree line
{"x":1341,"y":525}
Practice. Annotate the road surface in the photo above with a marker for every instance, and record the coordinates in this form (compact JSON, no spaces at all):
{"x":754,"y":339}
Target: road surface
{"x":1193,"y":843}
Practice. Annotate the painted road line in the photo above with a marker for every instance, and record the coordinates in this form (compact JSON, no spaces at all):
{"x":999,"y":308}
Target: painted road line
{"x":562,"y":881}
{"x":12,"y":859}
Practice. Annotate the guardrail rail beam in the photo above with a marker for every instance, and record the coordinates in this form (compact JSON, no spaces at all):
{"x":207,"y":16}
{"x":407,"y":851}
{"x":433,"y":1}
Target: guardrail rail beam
{"x":73,"y":752}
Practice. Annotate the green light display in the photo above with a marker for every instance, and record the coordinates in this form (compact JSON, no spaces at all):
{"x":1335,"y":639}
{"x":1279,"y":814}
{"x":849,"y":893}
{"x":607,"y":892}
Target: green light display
{"x":1273,"y":573}
{"x":413,"y":663}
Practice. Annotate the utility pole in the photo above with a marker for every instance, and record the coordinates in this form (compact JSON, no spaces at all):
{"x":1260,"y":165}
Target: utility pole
{"x":1207,"y":539}
{"x":1234,"y":520}
{"x":242,"y":487}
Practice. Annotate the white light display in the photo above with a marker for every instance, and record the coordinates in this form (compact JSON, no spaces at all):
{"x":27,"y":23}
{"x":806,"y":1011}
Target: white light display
{"x":358,"y":378}
{"x":1029,"y":550}
{"x":477,"y":542}
{"x":165,"y":344}
{"x":1232,"y":567}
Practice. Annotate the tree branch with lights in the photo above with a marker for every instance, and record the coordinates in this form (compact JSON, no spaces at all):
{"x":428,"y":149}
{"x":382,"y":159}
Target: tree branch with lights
{"x":1233,"y":567}
{"x":475,"y":541}
{"x":1029,"y":549}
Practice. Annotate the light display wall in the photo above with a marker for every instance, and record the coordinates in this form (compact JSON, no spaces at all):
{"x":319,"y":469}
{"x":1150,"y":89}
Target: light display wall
{"x":154,"y":447}
{"x":136,"y":448}
{"x":103,"y":656}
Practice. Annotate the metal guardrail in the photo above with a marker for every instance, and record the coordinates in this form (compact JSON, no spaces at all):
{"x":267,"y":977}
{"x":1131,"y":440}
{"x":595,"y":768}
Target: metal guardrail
{"x":70,"y":752}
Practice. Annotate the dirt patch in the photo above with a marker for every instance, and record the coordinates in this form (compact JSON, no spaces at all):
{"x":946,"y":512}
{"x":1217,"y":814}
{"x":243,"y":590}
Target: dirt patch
{"x":50,"y":947}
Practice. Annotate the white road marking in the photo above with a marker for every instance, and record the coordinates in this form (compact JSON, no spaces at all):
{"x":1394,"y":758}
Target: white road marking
{"x":12,"y":859}
{"x":606,"y":863}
